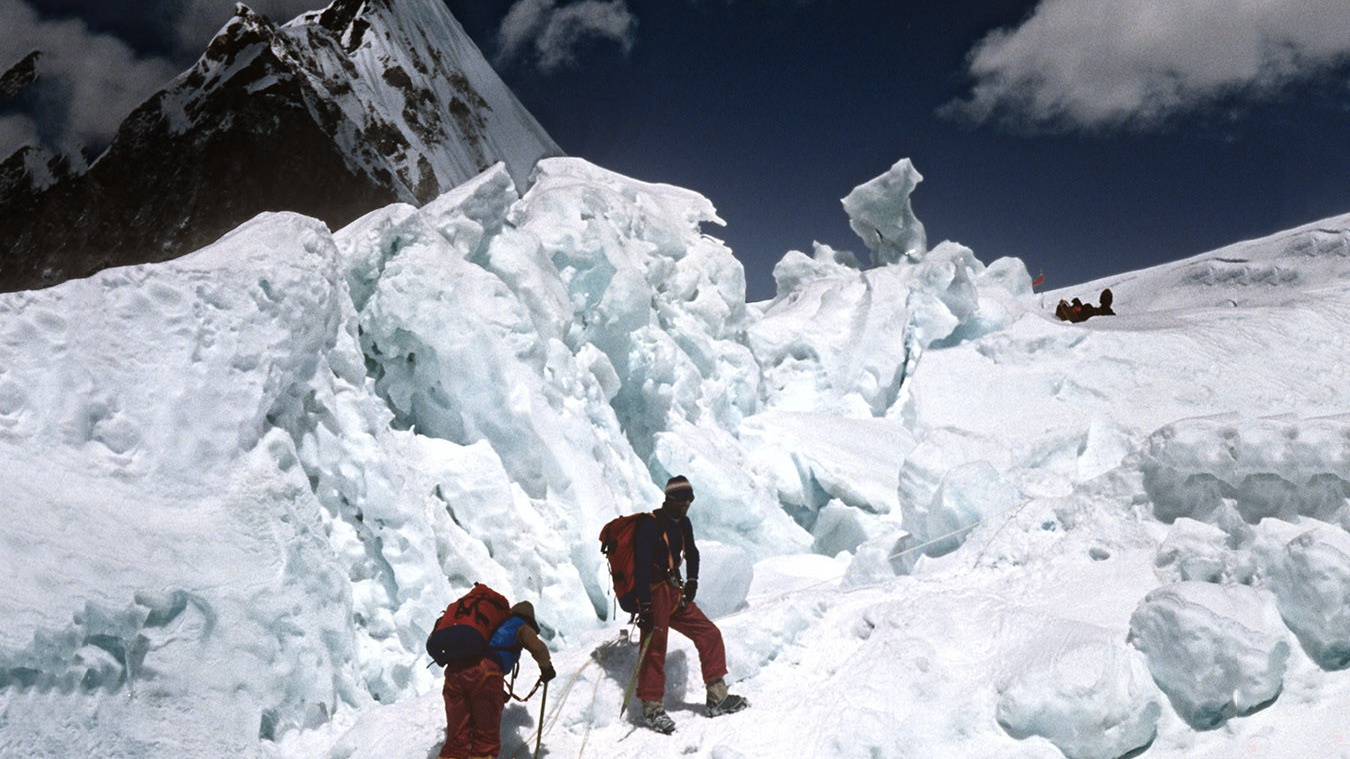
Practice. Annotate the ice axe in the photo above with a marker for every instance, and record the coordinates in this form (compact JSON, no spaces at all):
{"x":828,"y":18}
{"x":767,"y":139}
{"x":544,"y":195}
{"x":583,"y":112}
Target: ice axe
{"x":539,"y":736}
{"x":628,"y":692}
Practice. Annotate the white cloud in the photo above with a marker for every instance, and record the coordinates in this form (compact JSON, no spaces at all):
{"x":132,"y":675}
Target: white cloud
{"x":549,"y":35}
{"x":15,"y":132}
{"x":1090,"y":64}
{"x":88,"y":82}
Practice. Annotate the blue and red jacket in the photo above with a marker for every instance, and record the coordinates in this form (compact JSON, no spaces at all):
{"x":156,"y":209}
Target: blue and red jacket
{"x":503,"y":646}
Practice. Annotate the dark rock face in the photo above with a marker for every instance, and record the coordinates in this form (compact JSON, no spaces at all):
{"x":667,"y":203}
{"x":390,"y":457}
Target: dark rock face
{"x":155,"y":195}
{"x":19,"y":76}
{"x":269,"y":119}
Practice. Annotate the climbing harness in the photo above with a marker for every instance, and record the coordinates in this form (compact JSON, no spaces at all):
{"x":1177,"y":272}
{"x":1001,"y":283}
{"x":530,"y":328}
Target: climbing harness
{"x":511,"y":687}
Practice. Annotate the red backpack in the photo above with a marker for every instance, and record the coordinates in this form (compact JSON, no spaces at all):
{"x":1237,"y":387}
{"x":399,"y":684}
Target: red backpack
{"x":618,"y":544}
{"x":466,"y":626}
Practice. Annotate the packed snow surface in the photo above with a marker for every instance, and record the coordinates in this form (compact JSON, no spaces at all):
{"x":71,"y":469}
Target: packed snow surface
{"x":239,"y":487}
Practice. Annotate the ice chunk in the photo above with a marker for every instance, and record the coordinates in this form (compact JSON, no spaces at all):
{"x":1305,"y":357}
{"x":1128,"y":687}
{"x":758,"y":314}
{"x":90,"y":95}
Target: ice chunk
{"x":967,"y":494}
{"x":1093,"y":699}
{"x":839,"y":528}
{"x":880,"y":213}
{"x":475,"y":210}
{"x":365,"y":245}
{"x":1312,"y":584}
{"x":725,"y":575}
{"x":1277,"y":467}
{"x":881,"y":559}
{"x":1199,"y":551}
{"x":1217,"y":651}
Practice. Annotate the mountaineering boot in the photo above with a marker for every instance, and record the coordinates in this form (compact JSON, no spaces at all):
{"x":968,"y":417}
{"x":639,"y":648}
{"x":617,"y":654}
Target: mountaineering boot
{"x":721,"y":702}
{"x":654,"y":714}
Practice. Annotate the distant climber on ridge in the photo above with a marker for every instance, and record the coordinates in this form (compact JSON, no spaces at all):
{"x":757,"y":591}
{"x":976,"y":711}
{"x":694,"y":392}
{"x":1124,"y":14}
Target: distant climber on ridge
{"x":1078,"y":311}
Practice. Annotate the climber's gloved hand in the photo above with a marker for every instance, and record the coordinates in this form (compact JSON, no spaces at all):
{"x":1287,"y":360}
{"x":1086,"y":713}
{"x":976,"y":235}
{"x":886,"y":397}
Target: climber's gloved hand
{"x":547,"y":673}
{"x":690,"y":589}
{"x":644,"y":617}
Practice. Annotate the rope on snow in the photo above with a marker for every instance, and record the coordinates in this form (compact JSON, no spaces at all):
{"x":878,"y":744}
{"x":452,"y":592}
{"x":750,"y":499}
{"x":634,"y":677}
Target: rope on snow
{"x":546,"y":725}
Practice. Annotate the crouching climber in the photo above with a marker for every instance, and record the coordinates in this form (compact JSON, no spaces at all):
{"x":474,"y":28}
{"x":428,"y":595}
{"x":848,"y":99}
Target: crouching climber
{"x":1078,"y":311}
{"x":475,"y":685}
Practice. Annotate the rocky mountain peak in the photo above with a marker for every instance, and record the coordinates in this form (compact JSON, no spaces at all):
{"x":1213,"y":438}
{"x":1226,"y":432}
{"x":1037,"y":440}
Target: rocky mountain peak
{"x":17,"y":78}
{"x":332,"y":114}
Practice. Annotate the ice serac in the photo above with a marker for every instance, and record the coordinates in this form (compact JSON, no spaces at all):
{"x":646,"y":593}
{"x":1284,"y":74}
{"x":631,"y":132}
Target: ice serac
{"x":587,"y":332}
{"x":213,"y":586}
{"x":844,"y":339}
{"x":879,"y":212}
{"x":333,"y":114}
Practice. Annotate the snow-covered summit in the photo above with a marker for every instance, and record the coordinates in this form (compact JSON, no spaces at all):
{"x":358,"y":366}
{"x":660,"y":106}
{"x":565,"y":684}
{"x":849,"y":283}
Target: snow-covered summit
{"x":239,"y":486}
{"x":422,"y":103}
{"x":333,"y":114}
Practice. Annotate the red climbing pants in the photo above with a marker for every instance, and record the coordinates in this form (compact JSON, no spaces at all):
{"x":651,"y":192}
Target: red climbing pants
{"x":690,"y":622}
{"x":474,"y":699}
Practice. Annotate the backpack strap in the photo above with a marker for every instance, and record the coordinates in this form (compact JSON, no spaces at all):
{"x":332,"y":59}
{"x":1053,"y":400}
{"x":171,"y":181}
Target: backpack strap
{"x":670,"y":555}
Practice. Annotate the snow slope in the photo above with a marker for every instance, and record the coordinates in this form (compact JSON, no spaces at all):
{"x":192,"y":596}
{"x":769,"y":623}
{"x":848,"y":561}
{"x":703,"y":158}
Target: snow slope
{"x":422,"y":107}
{"x":239,"y":486}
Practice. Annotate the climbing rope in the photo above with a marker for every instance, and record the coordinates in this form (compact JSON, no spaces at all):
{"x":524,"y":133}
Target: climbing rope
{"x":547,"y":724}
{"x":897,"y":555}
{"x":541,"y":729}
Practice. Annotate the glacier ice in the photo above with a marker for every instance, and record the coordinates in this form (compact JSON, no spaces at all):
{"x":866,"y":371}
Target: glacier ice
{"x":286,"y":453}
{"x":1092,"y":697}
{"x":1311,"y":581}
{"x":1217,"y":651}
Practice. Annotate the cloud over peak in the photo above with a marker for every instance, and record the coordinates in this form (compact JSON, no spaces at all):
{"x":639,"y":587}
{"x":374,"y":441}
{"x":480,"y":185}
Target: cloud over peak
{"x":86,"y":81}
{"x":547,"y":35}
{"x":1105,"y":64}
{"x":95,"y":67}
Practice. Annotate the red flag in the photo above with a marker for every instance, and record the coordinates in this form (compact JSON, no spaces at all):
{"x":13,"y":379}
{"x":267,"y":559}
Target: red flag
{"x":1040,"y":278}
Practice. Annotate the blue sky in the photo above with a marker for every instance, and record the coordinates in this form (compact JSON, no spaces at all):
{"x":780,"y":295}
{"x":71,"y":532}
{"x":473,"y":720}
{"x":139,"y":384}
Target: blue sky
{"x":1079,"y":140}
{"x":1085,"y":137}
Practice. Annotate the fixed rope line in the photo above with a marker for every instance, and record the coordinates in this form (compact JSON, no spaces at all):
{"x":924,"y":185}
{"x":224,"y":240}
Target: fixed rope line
{"x":893,"y":556}
{"x":543,"y":728}
{"x":546,"y":724}
{"x":557,"y":710}
{"x":994,"y":537}
{"x":586,"y":734}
